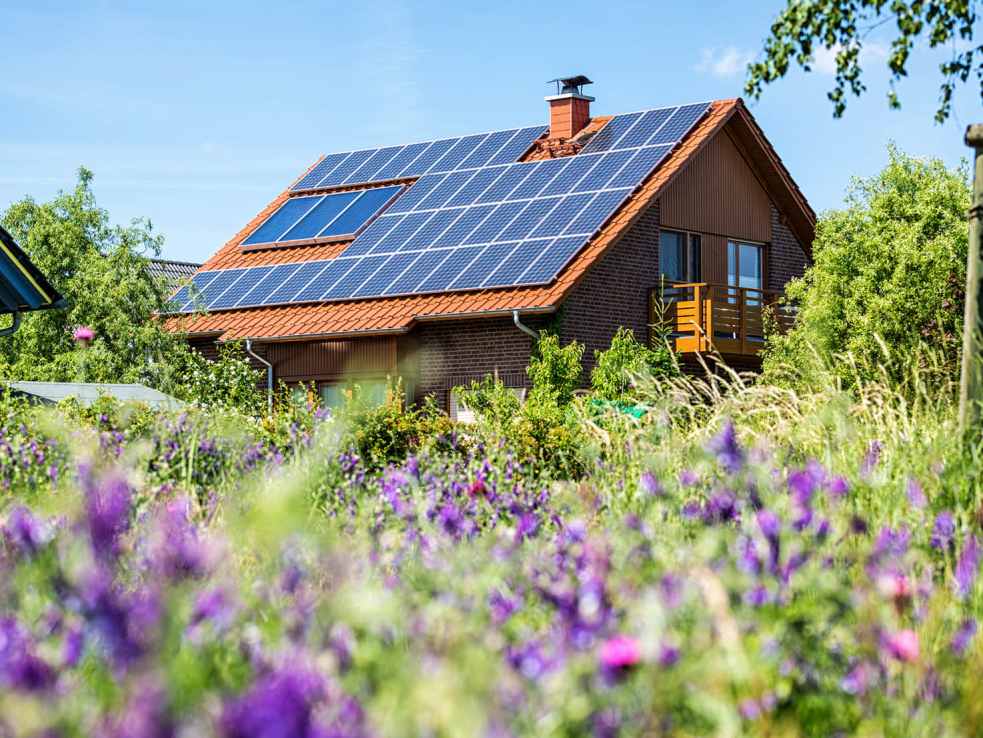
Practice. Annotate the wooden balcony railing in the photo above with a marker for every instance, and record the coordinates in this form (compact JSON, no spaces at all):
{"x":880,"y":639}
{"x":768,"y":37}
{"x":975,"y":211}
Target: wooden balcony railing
{"x":713,"y":317}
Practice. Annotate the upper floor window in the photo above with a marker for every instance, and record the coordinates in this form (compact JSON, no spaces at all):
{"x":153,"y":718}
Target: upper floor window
{"x":745,"y":265}
{"x":679,"y":256}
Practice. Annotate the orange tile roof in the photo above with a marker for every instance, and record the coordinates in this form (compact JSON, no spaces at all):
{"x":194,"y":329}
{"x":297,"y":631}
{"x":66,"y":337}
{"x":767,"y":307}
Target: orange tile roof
{"x":399,"y":314}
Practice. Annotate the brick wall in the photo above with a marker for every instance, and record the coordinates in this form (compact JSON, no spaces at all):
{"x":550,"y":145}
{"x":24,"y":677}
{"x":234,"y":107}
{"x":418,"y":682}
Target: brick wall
{"x":454,"y":353}
{"x":615,"y":293}
{"x":787,"y":259}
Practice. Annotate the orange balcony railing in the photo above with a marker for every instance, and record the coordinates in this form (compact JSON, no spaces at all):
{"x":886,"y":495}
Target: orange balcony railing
{"x":707,"y":317}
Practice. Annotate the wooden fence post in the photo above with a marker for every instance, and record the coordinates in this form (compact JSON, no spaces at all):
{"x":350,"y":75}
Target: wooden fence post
{"x":971,"y":387}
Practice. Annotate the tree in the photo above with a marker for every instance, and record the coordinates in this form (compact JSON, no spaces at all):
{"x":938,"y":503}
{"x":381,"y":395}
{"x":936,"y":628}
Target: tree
{"x":842,"y":26}
{"x":889,"y":272}
{"x":617,"y":369}
{"x":100,"y":271}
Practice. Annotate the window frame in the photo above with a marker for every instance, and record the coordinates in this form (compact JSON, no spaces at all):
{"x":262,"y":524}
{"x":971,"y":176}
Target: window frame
{"x":687,"y":255}
{"x":762,"y":249}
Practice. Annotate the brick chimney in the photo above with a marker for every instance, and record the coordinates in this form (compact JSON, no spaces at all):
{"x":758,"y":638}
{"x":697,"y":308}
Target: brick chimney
{"x":569,"y":107}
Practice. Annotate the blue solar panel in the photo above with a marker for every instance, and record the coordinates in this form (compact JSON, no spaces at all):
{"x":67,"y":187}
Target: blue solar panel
{"x":484,"y":265}
{"x":480,"y":182}
{"x":607,"y":137}
{"x":447,"y":272}
{"x":295,"y":283}
{"x":552,"y":260}
{"x":592,"y":216}
{"x":317,"y":287}
{"x":277,"y":224}
{"x":319,"y":216}
{"x":239,"y":289}
{"x":375,"y":284}
{"x":424,"y":161}
{"x":486,"y":150}
{"x":362,"y":270}
{"x":443,"y":192}
{"x":419,"y":270}
{"x":491,"y":222}
{"x":267,"y":284}
{"x":517,"y":145}
{"x":320,"y":171}
{"x":366,"y":172}
{"x":220,"y":284}
{"x":431,"y":230}
{"x":360,"y":212}
{"x":542,"y":175}
{"x":516,"y":263}
{"x":340,"y":173}
{"x":458,"y":153}
{"x":495,"y":223}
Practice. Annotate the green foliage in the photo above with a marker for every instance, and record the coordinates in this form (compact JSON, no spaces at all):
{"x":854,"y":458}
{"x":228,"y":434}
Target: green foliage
{"x":888,"y":276}
{"x":230,"y":382}
{"x":618,"y":369}
{"x":388,"y":433}
{"x":99,"y":270}
{"x":555,"y":371}
{"x":841,"y":26}
{"x":495,"y":406}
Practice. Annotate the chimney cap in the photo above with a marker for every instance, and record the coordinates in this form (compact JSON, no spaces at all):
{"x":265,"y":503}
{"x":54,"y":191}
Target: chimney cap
{"x":566,"y":85}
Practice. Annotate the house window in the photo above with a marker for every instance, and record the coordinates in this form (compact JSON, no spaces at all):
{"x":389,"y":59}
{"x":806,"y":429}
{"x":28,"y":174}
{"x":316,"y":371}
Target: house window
{"x":679,"y":256}
{"x":744,"y":265}
{"x":333,"y":394}
{"x":374,"y":391}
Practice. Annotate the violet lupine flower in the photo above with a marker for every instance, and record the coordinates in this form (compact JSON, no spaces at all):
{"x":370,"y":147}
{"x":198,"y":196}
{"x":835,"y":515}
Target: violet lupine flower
{"x":968,"y":566}
{"x":749,"y":710}
{"x":108,"y":513}
{"x":527,"y":527}
{"x":502,"y":607}
{"x":180,"y":552}
{"x":916,"y":498}
{"x":728,"y":451}
{"x":748,"y":560}
{"x":855,"y":682}
{"x":668,"y":655}
{"x":25,"y":531}
{"x":964,"y":637}
{"x":904,"y":646}
{"x":757,"y":596}
{"x":649,"y":485}
{"x":20,"y":667}
{"x":871,"y":458}
{"x":688,"y":478}
{"x":73,"y":644}
{"x":942,"y":533}
{"x":838,"y":487}
{"x":146,"y":715}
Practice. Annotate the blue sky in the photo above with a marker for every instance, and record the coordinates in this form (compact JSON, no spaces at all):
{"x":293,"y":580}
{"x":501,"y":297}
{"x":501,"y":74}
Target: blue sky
{"x":197,"y":115}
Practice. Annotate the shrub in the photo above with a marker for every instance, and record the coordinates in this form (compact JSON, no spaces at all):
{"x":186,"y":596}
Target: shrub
{"x":229,"y":382}
{"x":617,"y":370}
{"x":888,"y":276}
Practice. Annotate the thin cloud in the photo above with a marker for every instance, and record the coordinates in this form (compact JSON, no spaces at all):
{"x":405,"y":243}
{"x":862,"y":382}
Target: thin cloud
{"x":723,"y":62}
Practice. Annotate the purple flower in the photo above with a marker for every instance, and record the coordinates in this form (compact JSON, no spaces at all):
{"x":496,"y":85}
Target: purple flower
{"x":180,"y":551}
{"x":527,"y":527}
{"x":108,"y":513}
{"x":750,"y":710}
{"x":945,"y":526}
{"x":838,"y":487}
{"x":279,"y":705}
{"x":688,"y":478}
{"x":855,"y":682}
{"x":968,"y":566}
{"x":649,"y":485}
{"x":916,"y":497}
{"x":25,"y":531}
{"x":904,"y":645}
{"x":964,"y":636}
{"x":871,"y":458}
{"x":668,"y":655}
{"x":728,"y":451}
{"x":620,"y":652}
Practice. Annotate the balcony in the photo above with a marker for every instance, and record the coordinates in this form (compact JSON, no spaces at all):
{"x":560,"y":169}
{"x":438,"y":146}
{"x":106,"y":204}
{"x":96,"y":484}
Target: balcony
{"x":708,"y":318}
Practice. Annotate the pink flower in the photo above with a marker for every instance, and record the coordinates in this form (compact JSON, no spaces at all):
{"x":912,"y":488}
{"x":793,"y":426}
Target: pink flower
{"x":904,"y":645}
{"x":83,"y":335}
{"x":620,"y":651}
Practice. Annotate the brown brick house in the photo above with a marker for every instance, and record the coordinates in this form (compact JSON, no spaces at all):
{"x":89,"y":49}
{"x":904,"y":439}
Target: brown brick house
{"x":450,"y":252}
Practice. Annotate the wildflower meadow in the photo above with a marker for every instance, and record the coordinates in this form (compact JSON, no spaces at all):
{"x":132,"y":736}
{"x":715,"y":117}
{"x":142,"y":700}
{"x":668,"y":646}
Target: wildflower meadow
{"x":736,"y":559}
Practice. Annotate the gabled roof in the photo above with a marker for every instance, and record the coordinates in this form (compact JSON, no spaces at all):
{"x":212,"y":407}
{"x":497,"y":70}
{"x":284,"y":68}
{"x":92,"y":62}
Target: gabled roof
{"x":400,"y":314}
{"x":22,"y":285}
{"x":172,"y":271}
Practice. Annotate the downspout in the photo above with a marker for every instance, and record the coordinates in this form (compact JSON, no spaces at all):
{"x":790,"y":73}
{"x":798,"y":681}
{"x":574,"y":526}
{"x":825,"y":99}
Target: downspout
{"x":522,"y":327}
{"x":269,"y":374}
{"x":13,"y":328}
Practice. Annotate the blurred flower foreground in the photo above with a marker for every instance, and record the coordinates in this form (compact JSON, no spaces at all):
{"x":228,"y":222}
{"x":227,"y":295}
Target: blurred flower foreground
{"x":755,"y":564}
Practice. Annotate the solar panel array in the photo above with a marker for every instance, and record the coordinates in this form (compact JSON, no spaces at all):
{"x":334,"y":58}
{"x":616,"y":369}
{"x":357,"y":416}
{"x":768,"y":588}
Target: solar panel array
{"x":497,"y":225}
{"x":335,"y":215}
{"x":418,"y":159}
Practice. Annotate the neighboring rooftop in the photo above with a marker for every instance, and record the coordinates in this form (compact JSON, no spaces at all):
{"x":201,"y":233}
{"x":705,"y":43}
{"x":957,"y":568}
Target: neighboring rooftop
{"x":173,"y":271}
{"x":22,"y":285}
{"x":51,"y":393}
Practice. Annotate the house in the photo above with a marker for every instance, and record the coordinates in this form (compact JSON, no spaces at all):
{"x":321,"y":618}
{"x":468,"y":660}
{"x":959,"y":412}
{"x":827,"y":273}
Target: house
{"x":437,"y":262}
{"x":23,"y":288}
{"x":174,"y":272}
